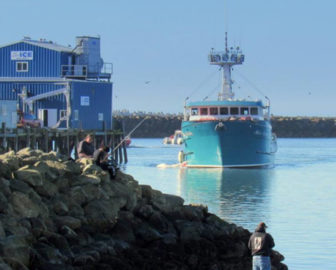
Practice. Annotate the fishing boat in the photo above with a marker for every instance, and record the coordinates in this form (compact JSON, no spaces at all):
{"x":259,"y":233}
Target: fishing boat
{"x":227,"y":132}
{"x":176,"y":138}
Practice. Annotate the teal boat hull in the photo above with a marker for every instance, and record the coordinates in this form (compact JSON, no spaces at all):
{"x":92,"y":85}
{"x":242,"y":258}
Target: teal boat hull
{"x":228,"y":143}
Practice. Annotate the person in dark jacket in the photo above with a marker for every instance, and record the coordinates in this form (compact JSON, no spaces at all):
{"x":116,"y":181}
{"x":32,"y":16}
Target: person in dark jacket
{"x":101,"y":158}
{"x":261,"y":244}
{"x":85,"y":147}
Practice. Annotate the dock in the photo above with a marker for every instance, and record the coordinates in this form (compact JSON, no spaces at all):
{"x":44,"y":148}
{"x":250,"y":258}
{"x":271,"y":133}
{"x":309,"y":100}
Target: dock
{"x":63,"y":141}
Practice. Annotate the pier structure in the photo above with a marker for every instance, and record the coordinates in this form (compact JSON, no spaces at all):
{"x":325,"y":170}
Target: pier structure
{"x":63,"y":141}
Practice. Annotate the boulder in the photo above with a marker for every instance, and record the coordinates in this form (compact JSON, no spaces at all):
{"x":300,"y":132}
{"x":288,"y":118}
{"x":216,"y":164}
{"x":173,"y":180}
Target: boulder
{"x":75,"y":210}
{"x":127,"y":194}
{"x":189,"y":212}
{"x":102,"y":214}
{"x":86,"y":179}
{"x":21,"y":186}
{"x":71,"y":222}
{"x":52,"y":155}
{"x":4,"y":266}
{"x":3,"y":203}
{"x":189,"y":230}
{"x":28,"y":152}
{"x":5,"y":187}
{"x":14,"y":264}
{"x":158,"y":221}
{"x":72,"y":167}
{"x":30,"y":176}
{"x":50,"y":253}
{"x":146,"y":233}
{"x":30,"y":161}
{"x":78,"y":195}
{"x":5,"y":170}
{"x":85,"y":161}
{"x":15,"y":247}
{"x":48,"y":189}
{"x":144,"y":211}
{"x":57,"y":168}
{"x":68,"y":233}
{"x":60,"y":208}
{"x":38,"y":226}
{"x":2,"y":231}
{"x":45,"y":170}
{"x":24,"y":206}
{"x":165,"y":203}
{"x":11,"y":160}
{"x":91,"y":168}
{"x":11,"y":226}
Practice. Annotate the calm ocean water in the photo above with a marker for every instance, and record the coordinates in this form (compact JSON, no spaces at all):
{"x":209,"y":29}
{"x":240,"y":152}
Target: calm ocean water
{"x":296,"y":198}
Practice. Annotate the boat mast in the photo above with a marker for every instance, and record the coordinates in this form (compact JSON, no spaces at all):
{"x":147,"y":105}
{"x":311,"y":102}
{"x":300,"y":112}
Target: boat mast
{"x":226,"y":59}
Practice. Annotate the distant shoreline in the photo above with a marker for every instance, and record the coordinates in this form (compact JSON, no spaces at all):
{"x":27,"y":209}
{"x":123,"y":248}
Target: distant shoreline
{"x":160,"y":126}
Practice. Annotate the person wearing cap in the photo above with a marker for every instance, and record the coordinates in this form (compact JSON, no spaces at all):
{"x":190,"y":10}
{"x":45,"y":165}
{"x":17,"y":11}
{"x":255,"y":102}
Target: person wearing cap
{"x":261,"y":244}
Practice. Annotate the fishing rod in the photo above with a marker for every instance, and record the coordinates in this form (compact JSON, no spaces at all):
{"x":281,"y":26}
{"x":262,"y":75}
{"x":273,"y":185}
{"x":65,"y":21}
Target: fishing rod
{"x":129,"y":134}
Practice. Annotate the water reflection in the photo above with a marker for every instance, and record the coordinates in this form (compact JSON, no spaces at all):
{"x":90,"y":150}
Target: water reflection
{"x":241,"y":196}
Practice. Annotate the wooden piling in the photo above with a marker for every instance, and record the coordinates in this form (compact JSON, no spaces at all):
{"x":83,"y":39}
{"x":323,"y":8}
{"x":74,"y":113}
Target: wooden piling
{"x":4,"y":142}
{"x":124,"y":149}
{"x":16,"y":141}
{"x":28,"y":144}
{"x":63,"y":141}
{"x":34,"y":139}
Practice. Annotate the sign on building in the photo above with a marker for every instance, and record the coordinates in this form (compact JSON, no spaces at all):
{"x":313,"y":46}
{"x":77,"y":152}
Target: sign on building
{"x":85,"y":101}
{"x":21,"y":55}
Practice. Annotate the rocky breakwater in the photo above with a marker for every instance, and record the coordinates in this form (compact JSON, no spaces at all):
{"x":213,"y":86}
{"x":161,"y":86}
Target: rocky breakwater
{"x":61,"y":214}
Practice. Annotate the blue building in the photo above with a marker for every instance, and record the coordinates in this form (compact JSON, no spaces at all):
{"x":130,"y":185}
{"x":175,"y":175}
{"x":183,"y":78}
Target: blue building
{"x":63,"y":86}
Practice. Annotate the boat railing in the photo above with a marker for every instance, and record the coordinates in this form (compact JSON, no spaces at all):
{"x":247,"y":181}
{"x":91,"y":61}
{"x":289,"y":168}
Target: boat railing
{"x":224,"y":118}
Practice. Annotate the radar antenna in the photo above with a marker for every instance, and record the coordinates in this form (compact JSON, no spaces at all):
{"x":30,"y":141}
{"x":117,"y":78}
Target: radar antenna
{"x":226,"y":59}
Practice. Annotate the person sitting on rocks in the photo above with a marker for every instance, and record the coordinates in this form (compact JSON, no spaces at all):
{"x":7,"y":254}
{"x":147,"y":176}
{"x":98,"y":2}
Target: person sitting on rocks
{"x":85,"y":147}
{"x":261,"y":244}
{"x":101,"y":158}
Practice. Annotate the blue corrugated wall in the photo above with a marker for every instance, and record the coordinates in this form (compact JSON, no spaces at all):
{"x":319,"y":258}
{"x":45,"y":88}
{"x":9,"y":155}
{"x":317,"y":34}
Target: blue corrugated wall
{"x":98,"y":93}
{"x":100,"y":98}
{"x":10,"y":91}
{"x":45,"y":63}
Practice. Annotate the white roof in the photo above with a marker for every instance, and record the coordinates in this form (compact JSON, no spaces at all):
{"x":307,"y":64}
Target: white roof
{"x":44,"y":44}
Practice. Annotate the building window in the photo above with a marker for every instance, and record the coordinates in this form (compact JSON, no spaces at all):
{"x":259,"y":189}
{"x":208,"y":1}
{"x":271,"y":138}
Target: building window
{"x":76,"y":115}
{"x":100,"y":117}
{"x":244,"y":111}
{"x":63,"y":114}
{"x":224,"y":111}
{"x":21,"y":66}
{"x":213,"y":111}
{"x":254,"y":111}
{"x":204,"y":111}
{"x":234,"y":111}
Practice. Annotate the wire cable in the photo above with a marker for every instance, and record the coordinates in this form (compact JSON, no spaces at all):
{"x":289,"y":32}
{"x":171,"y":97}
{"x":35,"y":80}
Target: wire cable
{"x":251,"y":84}
{"x":201,"y":84}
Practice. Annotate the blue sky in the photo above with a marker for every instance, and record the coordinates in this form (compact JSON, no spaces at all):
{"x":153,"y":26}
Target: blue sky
{"x":289,"y":47}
